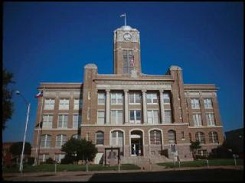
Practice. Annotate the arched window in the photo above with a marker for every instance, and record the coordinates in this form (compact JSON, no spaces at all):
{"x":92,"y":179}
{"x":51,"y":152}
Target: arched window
{"x":99,"y":138}
{"x":155,"y":137}
{"x":200,"y":137}
{"x":213,"y":137}
{"x":45,"y":141}
{"x":75,"y":136}
{"x":60,"y":140}
{"x":171,"y":137}
{"x":117,"y":138}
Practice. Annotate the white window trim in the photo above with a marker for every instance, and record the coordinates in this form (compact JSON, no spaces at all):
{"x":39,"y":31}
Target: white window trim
{"x":210,"y":120}
{"x":62,"y":141}
{"x":195,"y":103}
{"x":98,"y":122}
{"x":101,"y":96}
{"x":117,"y":117}
{"x":63,"y":121}
{"x":64,"y":104}
{"x":117,"y":97}
{"x":197,"y":119}
{"x":151,"y":97}
{"x":153,"y":117}
{"x":134,"y":98}
{"x":49,"y":104}
{"x":49,"y":121}
{"x":135,"y":121}
{"x":208,"y":103}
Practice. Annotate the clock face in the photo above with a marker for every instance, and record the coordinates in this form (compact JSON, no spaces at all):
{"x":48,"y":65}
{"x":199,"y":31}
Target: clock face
{"x":127,"y":36}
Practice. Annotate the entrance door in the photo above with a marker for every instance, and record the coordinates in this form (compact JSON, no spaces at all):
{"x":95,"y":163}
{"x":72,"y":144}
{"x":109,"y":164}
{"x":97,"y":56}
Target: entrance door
{"x":136,"y":143}
{"x":136,"y":147}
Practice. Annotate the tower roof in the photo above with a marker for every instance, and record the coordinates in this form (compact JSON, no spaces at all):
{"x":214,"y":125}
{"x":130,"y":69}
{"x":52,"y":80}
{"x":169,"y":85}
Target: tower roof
{"x":126,"y":27}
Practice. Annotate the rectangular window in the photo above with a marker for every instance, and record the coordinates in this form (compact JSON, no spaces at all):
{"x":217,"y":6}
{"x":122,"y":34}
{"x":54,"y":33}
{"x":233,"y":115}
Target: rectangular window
{"x":128,"y":61}
{"x":210,"y":119}
{"x":47,"y":121}
{"x":153,"y":117}
{"x":197,"y":119}
{"x":151,"y":98}
{"x":76,"y":121}
{"x":134,"y":98}
{"x":49,"y":104}
{"x":77,"y":104}
{"x":208,"y":103}
{"x":116,"y":117}
{"x":213,"y":137}
{"x":63,"y":121}
{"x":116,"y":98}
{"x":200,"y":137}
{"x":45,"y":141}
{"x":64,"y":104}
{"x":166,"y":98}
{"x":195,"y":103}
{"x":167,"y":116}
{"x":101,"y":98}
{"x":202,"y":153}
{"x":101,"y":117}
{"x":60,"y":140}
{"x":135,"y":116}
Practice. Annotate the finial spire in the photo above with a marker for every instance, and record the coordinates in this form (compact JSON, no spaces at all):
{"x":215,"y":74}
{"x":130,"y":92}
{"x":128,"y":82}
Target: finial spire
{"x":125,"y":18}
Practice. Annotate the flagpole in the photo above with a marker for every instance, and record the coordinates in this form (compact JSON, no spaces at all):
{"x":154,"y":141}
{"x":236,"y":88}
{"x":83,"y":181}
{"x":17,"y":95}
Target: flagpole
{"x":125,"y":20}
{"x":38,"y":134}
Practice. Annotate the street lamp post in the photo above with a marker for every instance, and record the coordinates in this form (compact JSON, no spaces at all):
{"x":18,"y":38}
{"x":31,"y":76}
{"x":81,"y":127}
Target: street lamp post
{"x":26,"y":125}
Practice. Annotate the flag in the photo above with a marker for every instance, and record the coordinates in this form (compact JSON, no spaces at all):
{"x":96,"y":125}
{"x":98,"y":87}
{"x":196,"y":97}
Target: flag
{"x":123,"y":15}
{"x":40,"y":94}
{"x":39,"y":124}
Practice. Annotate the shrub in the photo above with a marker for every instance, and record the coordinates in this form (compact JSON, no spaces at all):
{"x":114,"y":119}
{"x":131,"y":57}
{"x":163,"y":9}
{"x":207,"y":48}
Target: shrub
{"x":201,"y":157}
{"x":30,"y":160}
{"x":68,"y":159}
{"x":50,"y":161}
{"x":220,"y":152}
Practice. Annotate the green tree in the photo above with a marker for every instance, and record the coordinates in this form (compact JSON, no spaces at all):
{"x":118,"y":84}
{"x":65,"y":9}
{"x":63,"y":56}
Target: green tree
{"x":194,"y":147}
{"x":16,"y":149}
{"x":71,"y":148}
{"x":7,"y":104}
{"x":79,"y":149}
{"x":87,"y":150}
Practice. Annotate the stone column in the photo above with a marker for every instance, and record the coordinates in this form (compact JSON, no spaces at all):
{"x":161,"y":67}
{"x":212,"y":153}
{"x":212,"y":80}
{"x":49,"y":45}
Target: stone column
{"x":144,"y":107}
{"x":107,"y":116}
{"x":126,"y":105}
{"x":161,"y":105}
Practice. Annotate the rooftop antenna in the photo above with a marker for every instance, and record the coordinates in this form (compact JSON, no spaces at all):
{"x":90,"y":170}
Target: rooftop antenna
{"x":125,"y":18}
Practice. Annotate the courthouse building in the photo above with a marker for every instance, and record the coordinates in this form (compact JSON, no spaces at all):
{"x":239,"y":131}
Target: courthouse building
{"x":128,"y":113}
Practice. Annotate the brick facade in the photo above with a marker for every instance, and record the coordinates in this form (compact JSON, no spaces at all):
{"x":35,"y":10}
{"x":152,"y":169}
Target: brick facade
{"x":127,"y":109}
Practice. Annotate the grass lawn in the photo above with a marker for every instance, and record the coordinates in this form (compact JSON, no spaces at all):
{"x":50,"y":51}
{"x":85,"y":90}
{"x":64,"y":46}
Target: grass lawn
{"x":68,"y":167}
{"x":74,"y":167}
{"x":203,"y":162}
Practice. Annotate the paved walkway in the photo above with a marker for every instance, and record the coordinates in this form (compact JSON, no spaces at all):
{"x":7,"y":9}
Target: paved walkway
{"x":127,"y":175}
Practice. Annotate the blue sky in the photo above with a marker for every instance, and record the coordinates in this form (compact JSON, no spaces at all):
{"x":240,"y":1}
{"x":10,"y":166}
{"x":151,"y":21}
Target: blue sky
{"x":53,"y":41}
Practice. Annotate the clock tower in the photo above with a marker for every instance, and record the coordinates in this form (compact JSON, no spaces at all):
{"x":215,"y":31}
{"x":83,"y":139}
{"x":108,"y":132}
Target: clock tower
{"x":127,"y":51}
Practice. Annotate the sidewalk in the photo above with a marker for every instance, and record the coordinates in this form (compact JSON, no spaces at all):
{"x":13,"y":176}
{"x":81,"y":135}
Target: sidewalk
{"x":83,"y":176}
